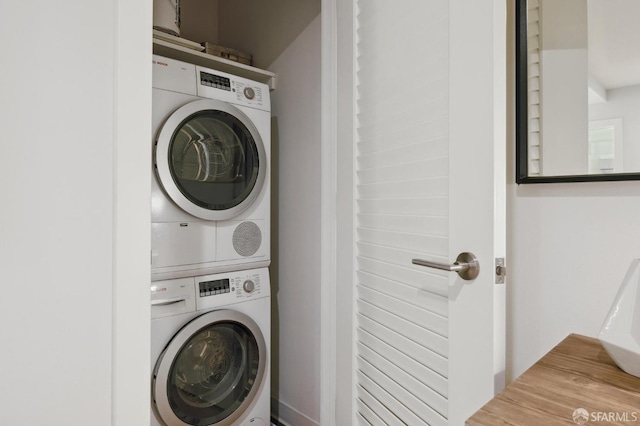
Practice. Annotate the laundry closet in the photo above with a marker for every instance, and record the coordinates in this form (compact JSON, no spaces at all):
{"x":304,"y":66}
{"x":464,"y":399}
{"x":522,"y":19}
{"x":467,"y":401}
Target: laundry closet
{"x":283,"y":38}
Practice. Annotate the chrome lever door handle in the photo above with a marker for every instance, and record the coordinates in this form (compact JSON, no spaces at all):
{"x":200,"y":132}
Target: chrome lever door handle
{"x":466,"y":265}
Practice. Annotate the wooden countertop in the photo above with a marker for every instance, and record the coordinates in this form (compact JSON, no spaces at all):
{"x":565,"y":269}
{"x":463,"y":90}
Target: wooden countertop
{"x":577,"y":373}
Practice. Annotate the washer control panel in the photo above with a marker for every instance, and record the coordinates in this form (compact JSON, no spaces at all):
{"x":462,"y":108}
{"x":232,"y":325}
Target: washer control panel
{"x":214,"y":287}
{"x":172,"y":297}
{"x":232,"y":287}
{"x":248,"y":285}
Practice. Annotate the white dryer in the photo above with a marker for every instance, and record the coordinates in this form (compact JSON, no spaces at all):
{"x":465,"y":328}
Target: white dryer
{"x":210,"y":196}
{"x":210,"y":350}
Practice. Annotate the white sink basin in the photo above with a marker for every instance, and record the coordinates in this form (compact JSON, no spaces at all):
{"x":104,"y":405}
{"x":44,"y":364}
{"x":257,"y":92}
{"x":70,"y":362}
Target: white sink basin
{"x":620,"y":333}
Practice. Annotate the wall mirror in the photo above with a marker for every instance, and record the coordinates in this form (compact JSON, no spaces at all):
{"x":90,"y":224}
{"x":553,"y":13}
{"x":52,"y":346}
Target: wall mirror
{"x":577,"y":90}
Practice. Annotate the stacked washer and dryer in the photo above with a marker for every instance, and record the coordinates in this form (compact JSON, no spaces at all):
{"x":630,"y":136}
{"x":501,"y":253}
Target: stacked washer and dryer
{"x":210,"y":210}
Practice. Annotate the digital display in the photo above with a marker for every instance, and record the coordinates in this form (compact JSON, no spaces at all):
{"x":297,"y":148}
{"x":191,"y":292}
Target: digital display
{"x":211,"y":288}
{"x":216,"y":81}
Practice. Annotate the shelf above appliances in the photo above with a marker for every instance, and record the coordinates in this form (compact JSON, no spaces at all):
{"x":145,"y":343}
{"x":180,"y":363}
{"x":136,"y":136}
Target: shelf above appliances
{"x":182,"y":52}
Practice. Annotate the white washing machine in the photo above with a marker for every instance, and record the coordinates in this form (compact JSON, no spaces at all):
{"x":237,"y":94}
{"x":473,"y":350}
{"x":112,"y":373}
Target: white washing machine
{"x":210,"y":350}
{"x":210,"y":195}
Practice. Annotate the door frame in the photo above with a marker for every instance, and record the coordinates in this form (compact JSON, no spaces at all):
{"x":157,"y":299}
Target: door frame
{"x":328,"y":213}
{"x":131,"y":320}
{"x":131,"y":328}
{"x":337,"y":313}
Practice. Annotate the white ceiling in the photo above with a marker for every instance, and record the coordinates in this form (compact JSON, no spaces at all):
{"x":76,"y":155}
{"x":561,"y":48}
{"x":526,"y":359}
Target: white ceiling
{"x":614,"y":42}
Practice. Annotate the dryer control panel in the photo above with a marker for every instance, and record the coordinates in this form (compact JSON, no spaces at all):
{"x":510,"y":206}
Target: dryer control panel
{"x":177,"y":76}
{"x":213,"y":80}
{"x":232,"y":287}
{"x":214,"y":84}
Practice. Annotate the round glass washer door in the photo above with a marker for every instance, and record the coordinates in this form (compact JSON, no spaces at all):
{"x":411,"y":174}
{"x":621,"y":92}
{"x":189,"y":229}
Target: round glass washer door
{"x":211,"y":371}
{"x":210,"y":159}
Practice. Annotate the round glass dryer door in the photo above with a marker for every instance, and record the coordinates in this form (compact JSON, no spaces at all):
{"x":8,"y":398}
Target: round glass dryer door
{"x":210,"y":159}
{"x":211,"y":371}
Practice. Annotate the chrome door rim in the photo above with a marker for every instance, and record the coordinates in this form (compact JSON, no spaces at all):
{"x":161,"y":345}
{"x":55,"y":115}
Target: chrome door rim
{"x":162,"y":166}
{"x":160,"y":398}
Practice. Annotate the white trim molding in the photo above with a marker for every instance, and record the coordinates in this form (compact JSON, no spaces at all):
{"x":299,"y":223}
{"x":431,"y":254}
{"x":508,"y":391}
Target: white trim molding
{"x":131,"y":215}
{"x":328,"y":224}
{"x":289,"y":416}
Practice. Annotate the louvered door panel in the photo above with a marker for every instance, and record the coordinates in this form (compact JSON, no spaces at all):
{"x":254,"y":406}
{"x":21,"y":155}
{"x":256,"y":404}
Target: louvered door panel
{"x":436,"y":382}
{"x":432,"y":225}
{"x":434,"y":129}
{"x":402,"y":172}
{"x":436,"y":207}
{"x":430,"y":301}
{"x":367,"y":416}
{"x":404,"y":310}
{"x":410,"y":170}
{"x":424,"y":394}
{"x":406,"y":346}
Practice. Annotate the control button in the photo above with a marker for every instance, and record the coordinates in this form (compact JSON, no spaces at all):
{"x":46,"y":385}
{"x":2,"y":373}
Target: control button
{"x":249,"y":93}
{"x":248,"y":286}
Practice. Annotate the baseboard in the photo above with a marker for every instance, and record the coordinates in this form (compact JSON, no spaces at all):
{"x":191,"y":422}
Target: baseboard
{"x":285,"y":415}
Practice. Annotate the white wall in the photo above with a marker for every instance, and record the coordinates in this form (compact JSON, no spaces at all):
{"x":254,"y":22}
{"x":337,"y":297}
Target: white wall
{"x":199,"y":20}
{"x":564,"y":113}
{"x":56,"y":256}
{"x":64,"y":272}
{"x":569,"y":246}
{"x":264,"y":28}
{"x":564,"y":81}
{"x":623,"y":103}
{"x":296,"y":228}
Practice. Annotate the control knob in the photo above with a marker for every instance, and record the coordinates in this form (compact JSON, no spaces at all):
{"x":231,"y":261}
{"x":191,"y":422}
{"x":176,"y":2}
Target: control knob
{"x":249,"y":93}
{"x":248,"y":286}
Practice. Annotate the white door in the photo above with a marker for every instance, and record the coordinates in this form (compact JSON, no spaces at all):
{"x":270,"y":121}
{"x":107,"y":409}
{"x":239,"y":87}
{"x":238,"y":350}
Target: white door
{"x":430,"y":176}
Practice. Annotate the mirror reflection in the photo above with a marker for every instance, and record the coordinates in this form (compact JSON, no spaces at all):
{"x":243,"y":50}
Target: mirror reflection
{"x":582,"y":87}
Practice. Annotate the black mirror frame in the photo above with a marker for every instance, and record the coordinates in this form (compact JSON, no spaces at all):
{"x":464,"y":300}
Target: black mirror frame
{"x":522,"y":65}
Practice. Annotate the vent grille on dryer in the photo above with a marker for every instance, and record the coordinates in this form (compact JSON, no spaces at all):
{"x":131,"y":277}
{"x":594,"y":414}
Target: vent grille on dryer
{"x":247,"y":239}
